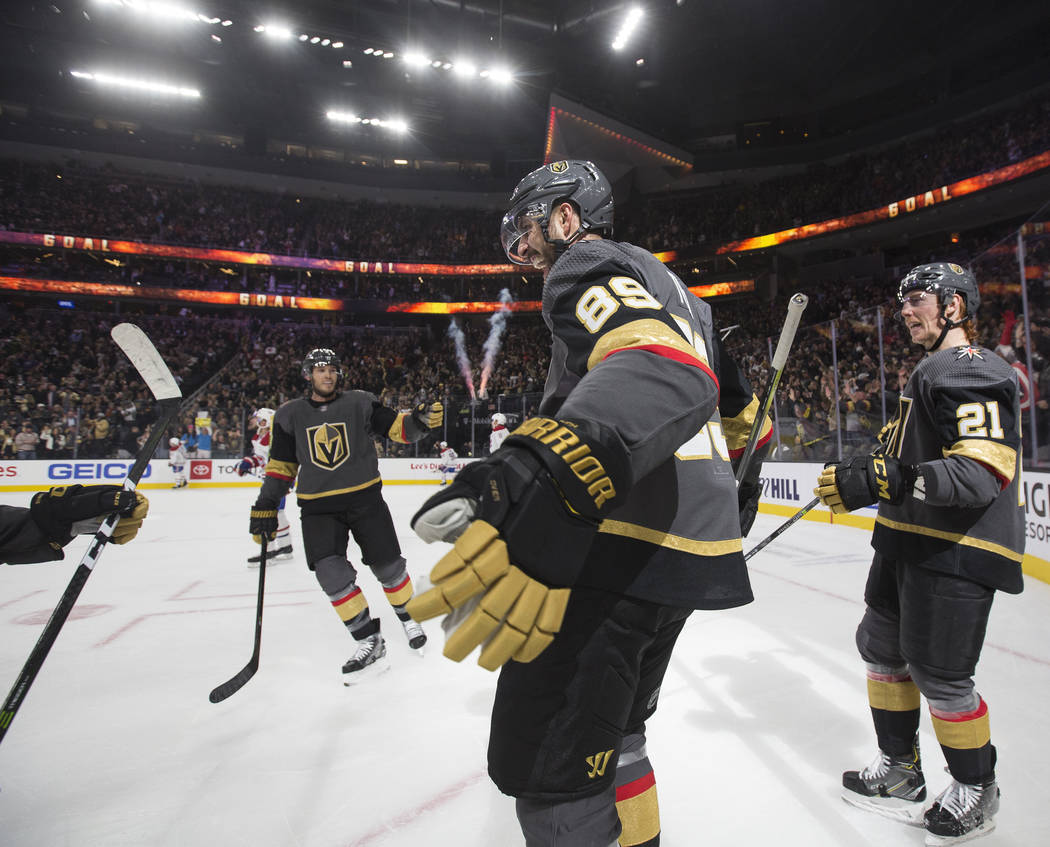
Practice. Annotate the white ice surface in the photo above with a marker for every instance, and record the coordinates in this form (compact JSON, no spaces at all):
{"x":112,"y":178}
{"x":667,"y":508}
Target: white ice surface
{"x":762,"y":708}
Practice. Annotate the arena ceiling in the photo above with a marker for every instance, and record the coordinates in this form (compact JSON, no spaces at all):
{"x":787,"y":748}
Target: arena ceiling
{"x":696,"y":69}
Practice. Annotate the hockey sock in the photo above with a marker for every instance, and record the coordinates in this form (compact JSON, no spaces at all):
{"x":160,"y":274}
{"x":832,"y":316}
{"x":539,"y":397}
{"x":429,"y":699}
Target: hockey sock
{"x":399,"y":590}
{"x":636,"y":801}
{"x":352,"y":608}
{"x":965,"y":739}
{"x":894,"y":700}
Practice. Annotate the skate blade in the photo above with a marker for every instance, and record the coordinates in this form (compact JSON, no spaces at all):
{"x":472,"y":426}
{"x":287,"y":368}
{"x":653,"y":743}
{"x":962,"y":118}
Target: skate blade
{"x":377,"y":668}
{"x":903,"y":811}
{"x":939,"y":840}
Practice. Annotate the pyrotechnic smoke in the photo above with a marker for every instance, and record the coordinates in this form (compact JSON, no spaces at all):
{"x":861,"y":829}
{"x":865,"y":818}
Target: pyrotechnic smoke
{"x":497,"y":324}
{"x":460,"y":342}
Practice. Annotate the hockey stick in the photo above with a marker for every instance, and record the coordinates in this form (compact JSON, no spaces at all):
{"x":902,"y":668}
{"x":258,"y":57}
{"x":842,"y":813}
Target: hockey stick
{"x":796,"y":305}
{"x":237,"y":681}
{"x":147,"y":361}
{"x":784,"y":527}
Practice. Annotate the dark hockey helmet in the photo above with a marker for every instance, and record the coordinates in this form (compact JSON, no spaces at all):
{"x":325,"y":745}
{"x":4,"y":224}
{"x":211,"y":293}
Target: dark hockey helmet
{"x":320,"y":356}
{"x":943,"y":279}
{"x":540,"y":191}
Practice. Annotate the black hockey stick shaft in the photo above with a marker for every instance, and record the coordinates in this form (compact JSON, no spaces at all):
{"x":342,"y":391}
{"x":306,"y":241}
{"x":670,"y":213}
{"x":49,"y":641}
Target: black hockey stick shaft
{"x":784,"y":527}
{"x":796,"y":305}
{"x":168,"y":409}
{"x":237,"y":681}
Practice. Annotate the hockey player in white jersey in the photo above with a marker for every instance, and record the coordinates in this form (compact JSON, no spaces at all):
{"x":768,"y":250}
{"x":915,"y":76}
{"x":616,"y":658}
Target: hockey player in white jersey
{"x":280,"y":547}
{"x":499,"y":432}
{"x":177,"y":460}
{"x":448,"y":461}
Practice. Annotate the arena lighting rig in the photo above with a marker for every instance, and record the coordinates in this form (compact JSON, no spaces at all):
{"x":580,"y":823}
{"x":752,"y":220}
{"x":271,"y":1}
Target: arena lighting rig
{"x":151,"y":86}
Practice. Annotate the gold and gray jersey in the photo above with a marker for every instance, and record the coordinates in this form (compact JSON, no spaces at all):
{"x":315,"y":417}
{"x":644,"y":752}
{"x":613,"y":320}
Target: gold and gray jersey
{"x":635,"y":350}
{"x":959,"y":420}
{"x":327,"y":449}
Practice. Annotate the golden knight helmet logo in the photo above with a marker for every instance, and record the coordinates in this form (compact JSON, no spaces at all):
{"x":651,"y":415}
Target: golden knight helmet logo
{"x":329,"y":445}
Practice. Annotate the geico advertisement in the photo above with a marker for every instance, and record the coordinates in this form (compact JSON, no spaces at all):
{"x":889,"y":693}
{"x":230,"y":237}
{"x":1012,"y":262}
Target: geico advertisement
{"x":40,"y":474}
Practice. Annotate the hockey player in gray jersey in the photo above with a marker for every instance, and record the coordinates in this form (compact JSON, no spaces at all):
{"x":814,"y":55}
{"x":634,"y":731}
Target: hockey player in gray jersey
{"x":327,"y":440}
{"x":949,"y":532}
{"x":584,"y":543}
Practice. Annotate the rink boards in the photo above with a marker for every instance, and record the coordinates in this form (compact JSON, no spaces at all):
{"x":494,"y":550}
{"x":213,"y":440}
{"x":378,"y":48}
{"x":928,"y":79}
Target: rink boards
{"x":787,"y":487}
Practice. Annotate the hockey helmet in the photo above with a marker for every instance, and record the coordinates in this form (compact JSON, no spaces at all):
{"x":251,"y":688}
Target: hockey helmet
{"x":443,"y":445}
{"x":540,"y":191}
{"x":943,"y":279}
{"x":173,"y":442}
{"x":263,"y":418}
{"x":320,"y":356}
{"x":499,"y":419}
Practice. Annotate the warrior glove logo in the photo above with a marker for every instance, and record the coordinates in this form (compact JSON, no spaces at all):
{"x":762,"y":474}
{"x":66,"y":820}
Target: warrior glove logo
{"x":329,"y":445}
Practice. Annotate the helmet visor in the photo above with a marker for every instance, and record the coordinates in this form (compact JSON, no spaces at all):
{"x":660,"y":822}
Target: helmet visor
{"x":517,"y":224}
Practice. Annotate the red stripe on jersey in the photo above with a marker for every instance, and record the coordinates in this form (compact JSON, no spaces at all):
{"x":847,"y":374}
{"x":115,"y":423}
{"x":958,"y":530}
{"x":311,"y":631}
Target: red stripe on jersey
{"x":1003,"y":481}
{"x":348,"y":597}
{"x":403,"y":436}
{"x":668,"y":353}
{"x":276,"y":475}
{"x":636,"y":787}
{"x":762,"y":442}
{"x":397,"y":588}
{"x":959,"y":717}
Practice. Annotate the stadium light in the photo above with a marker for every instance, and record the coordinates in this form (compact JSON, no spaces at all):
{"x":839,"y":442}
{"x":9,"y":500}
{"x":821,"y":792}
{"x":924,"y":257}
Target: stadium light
{"x":138,"y":84}
{"x":275,"y":31}
{"x":500,"y":75}
{"x":394,"y":124}
{"x":167,"y":11}
{"x":627,"y":28}
{"x":415,"y":59}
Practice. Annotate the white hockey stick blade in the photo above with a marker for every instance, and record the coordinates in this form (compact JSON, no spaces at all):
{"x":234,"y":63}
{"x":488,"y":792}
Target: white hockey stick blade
{"x":147,"y":361}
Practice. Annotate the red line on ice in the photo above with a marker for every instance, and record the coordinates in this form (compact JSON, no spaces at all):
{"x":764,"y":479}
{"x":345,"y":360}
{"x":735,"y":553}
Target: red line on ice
{"x":410,"y":816}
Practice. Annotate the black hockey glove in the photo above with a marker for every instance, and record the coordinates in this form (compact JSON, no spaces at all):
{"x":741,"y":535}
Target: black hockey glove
{"x":263,"y":521}
{"x":522,"y":521}
{"x":429,"y":416}
{"x":864,"y":480}
{"x":749,"y":491}
{"x":68,"y":510}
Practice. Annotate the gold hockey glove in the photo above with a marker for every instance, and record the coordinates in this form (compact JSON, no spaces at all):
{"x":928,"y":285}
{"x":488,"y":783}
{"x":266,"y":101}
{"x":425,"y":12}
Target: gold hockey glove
{"x":863,"y":481}
{"x":263,"y":522}
{"x":429,"y":417}
{"x":68,"y":510}
{"x":523,"y":521}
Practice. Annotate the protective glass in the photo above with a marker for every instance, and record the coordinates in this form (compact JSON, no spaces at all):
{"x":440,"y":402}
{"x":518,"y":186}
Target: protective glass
{"x":516,"y":226}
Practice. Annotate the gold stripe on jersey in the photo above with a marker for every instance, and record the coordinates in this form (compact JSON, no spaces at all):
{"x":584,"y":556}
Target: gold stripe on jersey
{"x":954,"y":537}
{"x":638,"y":334}
{"x":994,"y":454}
{"x":963,"y":735}
{"x":738,"y":427}
{"x":893,"y":696}
{"x":672,"y":542}
{"x":397,"y":429}
{"x":285,"y":470}
{"x":300,"y":496}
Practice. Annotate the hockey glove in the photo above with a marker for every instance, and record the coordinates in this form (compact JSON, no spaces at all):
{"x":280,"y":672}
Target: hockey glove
{"x":863,"y":481}
{"x":749,"y":491}
{"x":69,"y":510}
{"x":523,"y":521}
{"x":429,"y":417}
{"x":247,"y":464}
{"x":263,"y":521}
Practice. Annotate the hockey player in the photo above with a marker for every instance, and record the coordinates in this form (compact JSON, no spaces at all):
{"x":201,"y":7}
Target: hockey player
{"x":54,"y":517}
{"x":619,"y":518}
{"x":949,"y":532}
{"x":499,"y":432}
{"x":447,"y":461}
{"x":280,"y":547}
{"x":324,"y":441}
{"x":177,"y":461}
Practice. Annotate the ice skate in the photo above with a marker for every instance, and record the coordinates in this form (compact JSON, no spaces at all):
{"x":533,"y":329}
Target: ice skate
{"x":891,"y":786}
{"x":417,"y":638}
{"x":961,"y":813}
{"x":369,"y":660}
{"x":281,"y":554}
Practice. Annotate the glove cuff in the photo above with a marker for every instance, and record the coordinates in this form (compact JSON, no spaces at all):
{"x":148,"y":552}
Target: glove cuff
{"x":586,"y":459}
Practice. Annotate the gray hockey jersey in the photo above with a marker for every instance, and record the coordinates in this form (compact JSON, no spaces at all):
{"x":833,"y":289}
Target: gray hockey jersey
{"x":959,"y":420}
{"x":634,"y":349}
